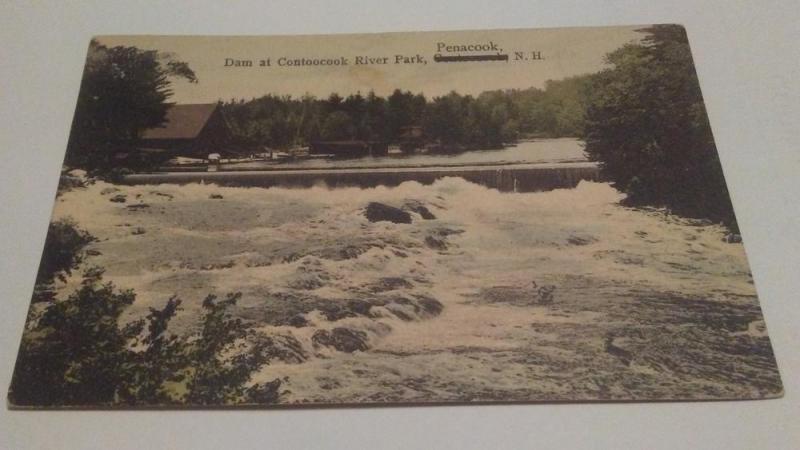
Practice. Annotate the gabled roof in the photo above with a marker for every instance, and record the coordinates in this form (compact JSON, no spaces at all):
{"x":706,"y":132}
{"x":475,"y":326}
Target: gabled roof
{"x":182,"y":122}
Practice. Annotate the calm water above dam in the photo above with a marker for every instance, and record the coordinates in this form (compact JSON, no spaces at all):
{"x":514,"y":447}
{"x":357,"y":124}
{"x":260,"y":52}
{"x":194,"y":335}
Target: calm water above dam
{"x":529,"y":166}
{"x":538,"y":151}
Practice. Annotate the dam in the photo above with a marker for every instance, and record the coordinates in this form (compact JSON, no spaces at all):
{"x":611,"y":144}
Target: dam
{"x":503,"y":177}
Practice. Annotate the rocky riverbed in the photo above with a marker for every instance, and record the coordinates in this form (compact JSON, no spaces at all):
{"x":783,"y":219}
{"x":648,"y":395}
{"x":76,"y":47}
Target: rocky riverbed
{"x":446,"y":292}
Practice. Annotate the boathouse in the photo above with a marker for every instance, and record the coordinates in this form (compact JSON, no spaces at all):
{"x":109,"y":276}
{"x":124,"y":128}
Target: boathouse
{"x":190,"y":130}
{"x":411,"y":138}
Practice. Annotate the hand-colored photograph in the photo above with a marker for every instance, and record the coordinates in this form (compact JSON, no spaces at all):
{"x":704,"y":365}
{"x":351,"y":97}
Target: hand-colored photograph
{"x":495,"y":216}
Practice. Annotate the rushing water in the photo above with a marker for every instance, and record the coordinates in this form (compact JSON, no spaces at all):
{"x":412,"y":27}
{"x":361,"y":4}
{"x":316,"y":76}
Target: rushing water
{"x":449,"y":307}
{"x":538,"y":151}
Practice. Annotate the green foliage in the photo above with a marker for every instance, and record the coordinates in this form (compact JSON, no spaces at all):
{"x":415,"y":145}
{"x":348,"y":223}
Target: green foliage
{"x":162,"y":362}
{"x":63,"y":252}
{"x":446,"y":119}
{"x":123,"y":92}
{"x":337,"y":126}
{"x":454,"y":120}
{"x":221,"y":363}
{"x":556,"y":111}
{"x":647,"y":126}
{"x":403,"y":109}
{"x":78,"y":353}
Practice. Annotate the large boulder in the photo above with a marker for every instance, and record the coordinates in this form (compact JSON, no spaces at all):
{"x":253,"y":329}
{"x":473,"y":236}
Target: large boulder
{"x":342,"y":339}
{"x":379,"y":212}
{"x":419,"y":208}
{"x":119,"y":198}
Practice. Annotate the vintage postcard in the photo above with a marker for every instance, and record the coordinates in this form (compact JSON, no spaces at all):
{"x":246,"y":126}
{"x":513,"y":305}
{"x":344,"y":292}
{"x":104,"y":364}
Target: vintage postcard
{"x":401,"y":218}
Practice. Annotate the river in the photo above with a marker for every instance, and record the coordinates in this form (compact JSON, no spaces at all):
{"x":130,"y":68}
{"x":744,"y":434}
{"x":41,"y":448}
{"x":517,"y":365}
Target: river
{"x":536,"y":151}
{"x":494,"y":296}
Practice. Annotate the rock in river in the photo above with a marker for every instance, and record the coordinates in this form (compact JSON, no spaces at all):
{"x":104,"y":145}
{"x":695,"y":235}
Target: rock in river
{"x":377,"y":212}
{"x":419,"y":208}
{"x":342,"y":339}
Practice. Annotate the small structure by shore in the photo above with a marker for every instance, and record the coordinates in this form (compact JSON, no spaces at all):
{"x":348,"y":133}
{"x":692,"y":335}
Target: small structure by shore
{"x":190,"y":130}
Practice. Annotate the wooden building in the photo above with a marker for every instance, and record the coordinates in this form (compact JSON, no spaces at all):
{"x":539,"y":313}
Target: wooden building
{"x":411,"y":138}
{"x":190,"y":130}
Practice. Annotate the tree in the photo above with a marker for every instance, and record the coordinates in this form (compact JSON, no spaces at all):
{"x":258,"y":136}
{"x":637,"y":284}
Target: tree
{"x":403,"y":109}
{"x":647,"y":126}
{"x":456,"y":121}
{"x":566,"y":102}
{"x":337,"y":126}
{"x":123,"y":92}
{"x":375,"y":125}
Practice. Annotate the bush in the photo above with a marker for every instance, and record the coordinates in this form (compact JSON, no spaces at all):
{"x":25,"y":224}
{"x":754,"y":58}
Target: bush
{"x":63,"y":252}
{"x":219,"y":372}
{"x":78,"y":354}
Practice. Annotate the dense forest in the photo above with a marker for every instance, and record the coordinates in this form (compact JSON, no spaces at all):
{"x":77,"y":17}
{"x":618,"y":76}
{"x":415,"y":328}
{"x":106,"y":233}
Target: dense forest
{"x":457,"y":121}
